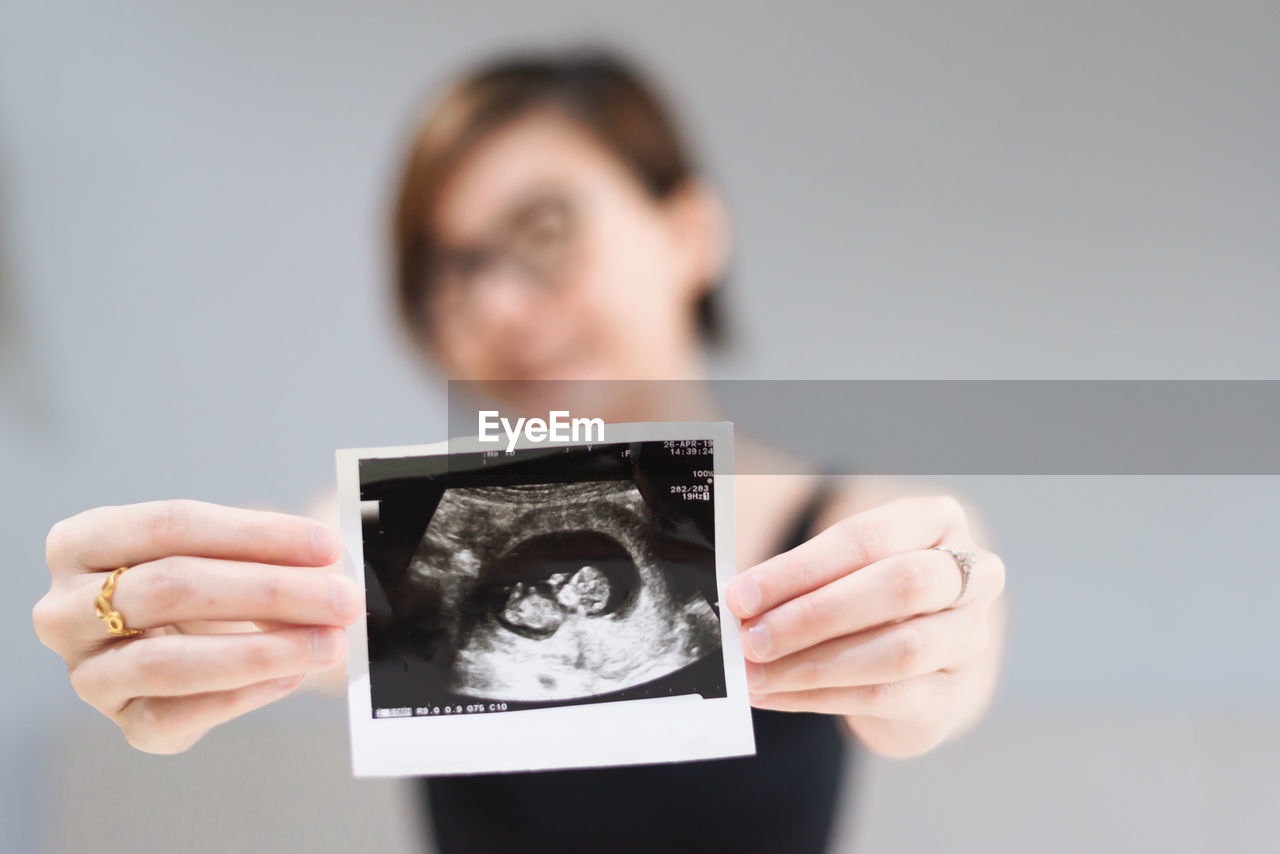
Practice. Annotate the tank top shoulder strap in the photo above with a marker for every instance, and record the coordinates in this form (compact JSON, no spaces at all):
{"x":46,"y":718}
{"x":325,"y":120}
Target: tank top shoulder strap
{"x":802,"y":528}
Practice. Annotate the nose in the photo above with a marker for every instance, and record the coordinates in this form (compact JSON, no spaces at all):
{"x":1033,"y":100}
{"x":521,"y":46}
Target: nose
{"x":502,"y":301}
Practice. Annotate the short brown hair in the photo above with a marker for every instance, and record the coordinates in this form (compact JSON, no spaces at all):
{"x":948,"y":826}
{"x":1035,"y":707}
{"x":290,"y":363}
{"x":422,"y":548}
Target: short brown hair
{"x":596,"y":88}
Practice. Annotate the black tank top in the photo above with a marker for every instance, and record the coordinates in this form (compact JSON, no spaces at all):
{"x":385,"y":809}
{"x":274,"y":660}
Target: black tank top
{"x":782,"y":799}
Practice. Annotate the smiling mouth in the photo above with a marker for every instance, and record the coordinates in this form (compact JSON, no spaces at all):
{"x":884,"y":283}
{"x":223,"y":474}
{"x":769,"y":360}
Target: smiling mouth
{"x":547,"y":371}
{"x":559,"y":366}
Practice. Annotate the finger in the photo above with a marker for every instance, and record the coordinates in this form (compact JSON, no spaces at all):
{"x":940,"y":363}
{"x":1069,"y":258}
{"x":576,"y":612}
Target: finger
{"x":178,"y":664}
{"x":899,"y":699}
{"x":172,"y":724}
{"x":902,"y":525}
{"x":895,"y":588}
{"x":184,"y":589}
{"x":885,"y":654}
{"x":108,"y":537}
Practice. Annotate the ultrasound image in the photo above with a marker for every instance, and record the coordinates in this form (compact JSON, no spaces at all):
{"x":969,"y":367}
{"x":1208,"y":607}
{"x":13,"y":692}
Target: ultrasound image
{"x":555,"y":592}
{"x":543,"y":593}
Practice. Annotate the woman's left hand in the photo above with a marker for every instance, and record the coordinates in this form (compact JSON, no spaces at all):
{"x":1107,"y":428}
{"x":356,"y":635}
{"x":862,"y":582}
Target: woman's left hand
{"x":862,"y":621}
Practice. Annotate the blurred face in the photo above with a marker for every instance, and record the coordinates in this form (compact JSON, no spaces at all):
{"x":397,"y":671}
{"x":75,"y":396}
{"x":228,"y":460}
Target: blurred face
{"x":555,"y":263}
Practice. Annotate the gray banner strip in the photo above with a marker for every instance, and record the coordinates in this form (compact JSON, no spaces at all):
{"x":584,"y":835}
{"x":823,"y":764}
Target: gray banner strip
{"x":948,"y":427}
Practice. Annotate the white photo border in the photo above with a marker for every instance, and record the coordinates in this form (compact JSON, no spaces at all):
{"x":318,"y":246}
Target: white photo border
{"x":626,"y":732}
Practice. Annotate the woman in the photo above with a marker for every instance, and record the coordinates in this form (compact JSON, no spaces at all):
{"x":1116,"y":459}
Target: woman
{"x":549,"y":225}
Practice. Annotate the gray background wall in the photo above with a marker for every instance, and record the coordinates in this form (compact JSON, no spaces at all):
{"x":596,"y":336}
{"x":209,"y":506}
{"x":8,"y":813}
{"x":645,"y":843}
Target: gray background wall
{"x":191,"y":303}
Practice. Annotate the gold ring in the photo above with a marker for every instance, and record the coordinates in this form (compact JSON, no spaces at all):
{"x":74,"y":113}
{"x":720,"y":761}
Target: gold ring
{"x":102,"y":607}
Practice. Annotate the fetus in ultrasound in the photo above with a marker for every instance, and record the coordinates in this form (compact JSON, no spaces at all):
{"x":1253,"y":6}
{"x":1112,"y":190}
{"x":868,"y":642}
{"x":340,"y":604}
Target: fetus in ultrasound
{"x":554,"y":591}
{"x":539,"y":608}
{"x":587,"y":591}
{"x":531,"y":611}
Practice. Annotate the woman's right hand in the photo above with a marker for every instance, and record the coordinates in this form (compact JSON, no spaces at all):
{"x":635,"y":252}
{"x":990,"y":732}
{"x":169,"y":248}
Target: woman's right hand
{"x":234,"y":612}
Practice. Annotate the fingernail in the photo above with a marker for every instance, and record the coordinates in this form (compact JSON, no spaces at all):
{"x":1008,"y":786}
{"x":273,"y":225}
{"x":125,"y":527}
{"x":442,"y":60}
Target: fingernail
{"x":322,"y":543}
{"x":755,"y":674}
{"x":344,"y":598}
{"x":758,"y":638}
{"x":749,"y":596}
{"x":288,"y":681}
{"x":324,"y":645}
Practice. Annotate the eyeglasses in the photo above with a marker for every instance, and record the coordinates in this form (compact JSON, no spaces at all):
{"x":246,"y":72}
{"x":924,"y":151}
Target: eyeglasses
{"x":537,"y":239}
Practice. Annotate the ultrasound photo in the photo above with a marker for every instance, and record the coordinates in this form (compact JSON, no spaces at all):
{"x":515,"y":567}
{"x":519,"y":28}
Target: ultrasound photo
{"x":543,"y":605}
{"x":517,"y":580}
